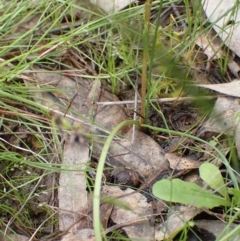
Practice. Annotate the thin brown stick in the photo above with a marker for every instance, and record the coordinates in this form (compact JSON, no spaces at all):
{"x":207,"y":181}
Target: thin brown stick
{"x":161,"y":100}
{"x":148,"y":6}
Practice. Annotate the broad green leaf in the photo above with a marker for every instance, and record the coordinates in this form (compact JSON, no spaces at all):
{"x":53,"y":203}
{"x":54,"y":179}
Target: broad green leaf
{"x":188,"y":193}
{"x":213,"y":177}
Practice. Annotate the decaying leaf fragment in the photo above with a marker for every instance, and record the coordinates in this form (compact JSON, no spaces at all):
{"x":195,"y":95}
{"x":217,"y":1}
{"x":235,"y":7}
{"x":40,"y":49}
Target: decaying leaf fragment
{"x":138,"y":209}
{"x":224,"y":15}
{"x":210,"y":45}
{"x":181,"y":163}
{"x":72,"y":193}
{"x":213,"y":49}
{"x":111,"y":6}
{"x":175,"y":222}
{"x":224,"y":117}
{"x":218,"y":228}
{"x":85,"y":234}
{"x":230,"y":89}
{"x":15,"y":237}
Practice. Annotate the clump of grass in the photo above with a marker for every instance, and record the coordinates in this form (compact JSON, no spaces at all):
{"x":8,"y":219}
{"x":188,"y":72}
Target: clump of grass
{"x":110,"y":48}
{"x":25,"y":157}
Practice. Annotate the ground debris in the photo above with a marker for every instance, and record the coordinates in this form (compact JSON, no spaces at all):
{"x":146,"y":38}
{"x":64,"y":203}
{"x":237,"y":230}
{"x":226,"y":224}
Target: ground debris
{"x":134,"y":211}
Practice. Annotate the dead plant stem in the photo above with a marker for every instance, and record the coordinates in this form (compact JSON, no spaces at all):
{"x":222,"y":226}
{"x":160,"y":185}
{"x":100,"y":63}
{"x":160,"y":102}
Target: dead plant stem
{"x":148,"y":6}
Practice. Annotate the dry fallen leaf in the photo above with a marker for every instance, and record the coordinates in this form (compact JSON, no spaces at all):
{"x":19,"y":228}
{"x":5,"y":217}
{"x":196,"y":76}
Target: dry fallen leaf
{"x":231,"y":89}
{"x":138,"y":208}
{"x":225,"y":17}
{"x":181,"y":163}
{"x":85,"y":234}
{"x":72,"y":193}
{"x":216,"y":227}
{"x":175,"y":222}
{"x":144,"y":155}
{"x":105,"y":213}
{"x":15,"y":237}
{"x":224,"y":117}
{"x":111,"y":6}
{"x":210,"y":45}
{"x":234,"y":67}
